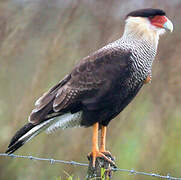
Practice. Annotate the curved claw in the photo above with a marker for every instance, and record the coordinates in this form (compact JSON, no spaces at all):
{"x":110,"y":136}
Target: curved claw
{"x":97,"y":154}
{"x":108,"y":154}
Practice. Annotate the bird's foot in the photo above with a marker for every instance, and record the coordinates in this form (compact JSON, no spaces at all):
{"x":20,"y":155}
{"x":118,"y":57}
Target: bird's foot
{"x":108,"y":154}
{"x":98,"y":154}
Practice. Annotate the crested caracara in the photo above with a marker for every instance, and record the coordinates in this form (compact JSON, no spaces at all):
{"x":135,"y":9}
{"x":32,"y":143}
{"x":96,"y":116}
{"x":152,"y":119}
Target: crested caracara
{"x":101,"y":85}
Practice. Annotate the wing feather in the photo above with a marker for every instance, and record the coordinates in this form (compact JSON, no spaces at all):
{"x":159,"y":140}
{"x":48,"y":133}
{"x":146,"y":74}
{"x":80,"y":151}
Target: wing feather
{"x":64,"y":97}
{"x":88,"y":82}
{"x":45,"y":103}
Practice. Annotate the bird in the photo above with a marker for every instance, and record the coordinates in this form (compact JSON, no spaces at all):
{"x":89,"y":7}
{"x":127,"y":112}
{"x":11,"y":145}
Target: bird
{"x":101,"y":85}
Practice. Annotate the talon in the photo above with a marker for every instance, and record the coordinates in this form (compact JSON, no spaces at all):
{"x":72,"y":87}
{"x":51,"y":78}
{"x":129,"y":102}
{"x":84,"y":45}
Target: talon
{"x":98,"y":154}
{"x":88,"y":156}
{"x":107,"y":153}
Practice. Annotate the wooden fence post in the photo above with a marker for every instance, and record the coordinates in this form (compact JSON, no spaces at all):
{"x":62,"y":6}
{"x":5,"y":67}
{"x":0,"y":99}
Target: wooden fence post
{"x":101,"y":171}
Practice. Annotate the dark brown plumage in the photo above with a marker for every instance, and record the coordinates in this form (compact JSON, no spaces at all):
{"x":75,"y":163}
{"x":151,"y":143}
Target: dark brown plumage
{"x":93,"y":86}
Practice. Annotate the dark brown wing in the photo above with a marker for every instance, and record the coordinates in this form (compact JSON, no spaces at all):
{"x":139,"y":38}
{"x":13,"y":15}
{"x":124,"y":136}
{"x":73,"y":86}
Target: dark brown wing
{"x":44,"y":105}
{"x":90,"y":80}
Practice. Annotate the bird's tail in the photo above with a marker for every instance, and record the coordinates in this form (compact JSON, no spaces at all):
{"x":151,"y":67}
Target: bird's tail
{"x":50,"y":124}
{"x":27,"y":132}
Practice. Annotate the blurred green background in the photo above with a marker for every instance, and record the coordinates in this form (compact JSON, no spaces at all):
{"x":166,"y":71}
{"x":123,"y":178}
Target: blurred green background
{"x":40,"y":42}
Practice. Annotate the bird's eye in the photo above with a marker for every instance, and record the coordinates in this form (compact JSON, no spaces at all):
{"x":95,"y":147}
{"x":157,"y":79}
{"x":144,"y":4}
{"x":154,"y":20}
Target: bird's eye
{"x":151,"y":17}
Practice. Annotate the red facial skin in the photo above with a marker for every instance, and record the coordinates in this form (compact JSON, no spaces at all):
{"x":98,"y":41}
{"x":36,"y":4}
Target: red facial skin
{"x":158,"y":21}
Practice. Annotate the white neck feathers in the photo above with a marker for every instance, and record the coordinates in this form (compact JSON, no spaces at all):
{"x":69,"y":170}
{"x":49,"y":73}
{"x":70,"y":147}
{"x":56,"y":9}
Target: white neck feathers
{"x":141,"y":28}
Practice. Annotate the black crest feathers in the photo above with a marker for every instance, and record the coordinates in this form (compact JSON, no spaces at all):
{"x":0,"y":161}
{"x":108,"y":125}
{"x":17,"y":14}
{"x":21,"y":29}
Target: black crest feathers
{"x":146,"y":13}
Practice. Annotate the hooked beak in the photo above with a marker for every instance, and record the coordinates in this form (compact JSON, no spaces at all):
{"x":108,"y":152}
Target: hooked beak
{"x":168,"y":26}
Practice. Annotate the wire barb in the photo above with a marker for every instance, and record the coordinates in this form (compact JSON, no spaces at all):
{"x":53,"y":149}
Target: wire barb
{"x":74,"y":163}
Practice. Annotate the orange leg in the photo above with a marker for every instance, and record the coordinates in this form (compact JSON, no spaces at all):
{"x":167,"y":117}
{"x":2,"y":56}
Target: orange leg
{"x":95,"y":149}
{"x":103,"y":141}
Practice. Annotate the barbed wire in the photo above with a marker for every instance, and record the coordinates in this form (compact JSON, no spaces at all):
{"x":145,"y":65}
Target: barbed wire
{"x":133,"y":172}
{"x":52,"y":161}
{"x":74,"y":163}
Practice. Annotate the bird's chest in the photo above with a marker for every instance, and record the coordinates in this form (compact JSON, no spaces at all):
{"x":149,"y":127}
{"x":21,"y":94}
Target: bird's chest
{"x":140,"y":69}
{"x":142,"y":57}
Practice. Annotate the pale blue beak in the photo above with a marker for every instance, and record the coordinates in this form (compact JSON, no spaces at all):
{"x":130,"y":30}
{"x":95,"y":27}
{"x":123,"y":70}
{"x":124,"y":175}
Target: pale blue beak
{"x":168,"y":26}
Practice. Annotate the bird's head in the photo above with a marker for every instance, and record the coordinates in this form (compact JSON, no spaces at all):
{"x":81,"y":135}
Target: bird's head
{"x":148,"y":23}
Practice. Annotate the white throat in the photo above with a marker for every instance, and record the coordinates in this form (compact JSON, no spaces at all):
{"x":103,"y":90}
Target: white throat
{"x":141,"y":28}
